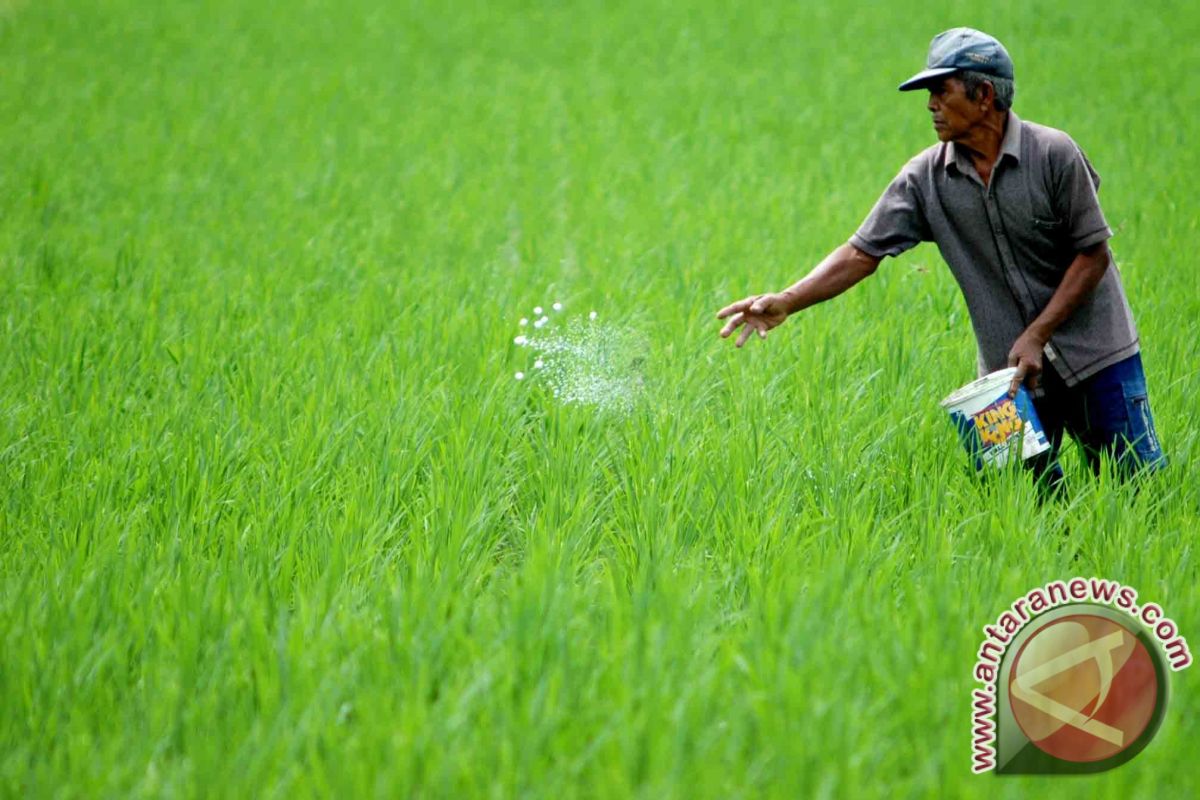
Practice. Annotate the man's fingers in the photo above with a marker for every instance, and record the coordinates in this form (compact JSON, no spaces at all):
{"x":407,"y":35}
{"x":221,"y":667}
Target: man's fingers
{"x":733,"y":308}
{"x":744,"y":313}
{"x":752,"y":327}
{"x":733,"y":324}
{"x":1015,"y":384}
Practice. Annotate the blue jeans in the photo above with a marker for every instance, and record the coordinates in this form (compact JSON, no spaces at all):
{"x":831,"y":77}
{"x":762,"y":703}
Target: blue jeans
{"x":1107,"y":415}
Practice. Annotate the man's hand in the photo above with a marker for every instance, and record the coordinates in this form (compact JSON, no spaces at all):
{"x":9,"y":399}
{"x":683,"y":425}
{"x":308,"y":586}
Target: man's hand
{"x":760,"y":313}
{"x":1026,"y":356}
{"x":837,"y":272}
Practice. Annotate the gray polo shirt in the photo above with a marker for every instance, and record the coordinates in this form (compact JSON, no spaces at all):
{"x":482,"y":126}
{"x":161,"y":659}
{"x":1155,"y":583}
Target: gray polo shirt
{"x":1010,"y":243}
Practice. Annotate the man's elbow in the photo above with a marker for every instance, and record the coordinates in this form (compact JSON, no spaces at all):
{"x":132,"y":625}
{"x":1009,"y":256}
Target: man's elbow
{"x":1089,"y":267}
{"x":863,"y":263}
{"x":1098,"y":254}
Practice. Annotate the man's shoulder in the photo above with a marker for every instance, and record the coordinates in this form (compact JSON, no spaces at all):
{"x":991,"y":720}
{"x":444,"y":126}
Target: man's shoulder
{"x":922,"y":162}
{"x":1052,"y":141}
{"x":1055,"y":150}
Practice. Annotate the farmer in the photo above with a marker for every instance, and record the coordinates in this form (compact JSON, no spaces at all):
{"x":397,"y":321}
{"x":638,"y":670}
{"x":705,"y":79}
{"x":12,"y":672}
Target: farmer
{"x":1013,"y":210}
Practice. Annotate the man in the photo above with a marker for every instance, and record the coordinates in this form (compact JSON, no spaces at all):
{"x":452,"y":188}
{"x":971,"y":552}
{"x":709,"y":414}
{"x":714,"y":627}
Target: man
{"x":1012,"y":207}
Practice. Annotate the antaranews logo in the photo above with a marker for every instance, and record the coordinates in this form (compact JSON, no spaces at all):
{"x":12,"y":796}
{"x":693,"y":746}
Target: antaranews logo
{"x":1074,"y":679}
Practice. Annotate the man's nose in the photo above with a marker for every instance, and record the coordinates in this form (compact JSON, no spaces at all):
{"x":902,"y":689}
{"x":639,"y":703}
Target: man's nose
{"x":932,"y":104}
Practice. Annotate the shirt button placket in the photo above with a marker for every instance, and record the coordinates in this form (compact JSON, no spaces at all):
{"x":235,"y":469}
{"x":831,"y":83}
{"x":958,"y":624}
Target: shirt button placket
{"x":1004,"y":248}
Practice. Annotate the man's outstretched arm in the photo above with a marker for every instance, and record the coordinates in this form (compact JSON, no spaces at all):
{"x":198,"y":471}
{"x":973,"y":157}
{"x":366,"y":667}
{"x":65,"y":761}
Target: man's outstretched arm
{"x":841,"y":269}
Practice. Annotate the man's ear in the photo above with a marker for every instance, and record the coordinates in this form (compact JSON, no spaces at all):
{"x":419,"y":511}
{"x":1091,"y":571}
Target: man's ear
{"x":987,"y":95}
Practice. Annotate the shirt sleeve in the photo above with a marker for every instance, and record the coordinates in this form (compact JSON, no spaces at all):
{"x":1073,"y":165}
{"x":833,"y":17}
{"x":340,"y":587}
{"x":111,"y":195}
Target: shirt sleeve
{"x":1076,"y":200}
{"x":897,"y":222}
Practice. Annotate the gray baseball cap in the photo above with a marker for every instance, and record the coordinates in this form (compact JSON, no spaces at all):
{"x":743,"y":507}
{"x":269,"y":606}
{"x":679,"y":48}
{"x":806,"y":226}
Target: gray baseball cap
{"x":959,"y":49}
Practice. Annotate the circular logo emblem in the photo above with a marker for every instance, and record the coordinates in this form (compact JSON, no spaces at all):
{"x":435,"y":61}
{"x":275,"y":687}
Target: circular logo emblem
{"x":1083,"y":688}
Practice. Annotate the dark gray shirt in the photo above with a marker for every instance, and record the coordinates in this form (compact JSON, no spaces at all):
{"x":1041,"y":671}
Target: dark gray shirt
{"x":1010,"y":243}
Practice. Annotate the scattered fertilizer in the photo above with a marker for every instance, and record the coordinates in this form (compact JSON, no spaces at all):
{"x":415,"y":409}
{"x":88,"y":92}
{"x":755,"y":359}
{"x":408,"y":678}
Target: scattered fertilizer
{"x":584,"y":362}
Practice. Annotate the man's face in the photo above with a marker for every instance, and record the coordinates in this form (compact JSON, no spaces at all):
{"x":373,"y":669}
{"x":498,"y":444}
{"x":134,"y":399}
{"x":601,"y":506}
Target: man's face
{"x":954,"y":114}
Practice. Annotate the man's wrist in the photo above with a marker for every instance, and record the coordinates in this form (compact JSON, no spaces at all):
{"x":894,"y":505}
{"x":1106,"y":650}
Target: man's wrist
{"x":790,"y":300}
{"x":1040,"y":332}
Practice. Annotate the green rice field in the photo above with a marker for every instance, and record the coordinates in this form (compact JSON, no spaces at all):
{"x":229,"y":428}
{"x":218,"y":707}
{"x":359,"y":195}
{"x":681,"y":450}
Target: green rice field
{"x":278,"y":520}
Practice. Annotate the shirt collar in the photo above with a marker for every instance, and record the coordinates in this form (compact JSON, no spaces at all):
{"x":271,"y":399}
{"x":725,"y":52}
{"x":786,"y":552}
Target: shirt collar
{"x":1010,"y":146}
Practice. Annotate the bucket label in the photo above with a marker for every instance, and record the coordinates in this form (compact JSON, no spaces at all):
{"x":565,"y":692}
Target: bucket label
{"x":1003,"y":427}
{"x":996,"y":423}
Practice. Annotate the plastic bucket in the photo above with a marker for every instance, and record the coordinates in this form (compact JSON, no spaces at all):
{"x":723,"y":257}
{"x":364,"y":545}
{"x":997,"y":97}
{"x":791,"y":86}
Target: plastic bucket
{"x":993,"y":425}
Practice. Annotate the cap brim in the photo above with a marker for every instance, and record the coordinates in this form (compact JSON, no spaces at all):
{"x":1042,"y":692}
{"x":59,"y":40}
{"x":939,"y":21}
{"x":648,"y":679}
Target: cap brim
{"x":925,"y":77}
